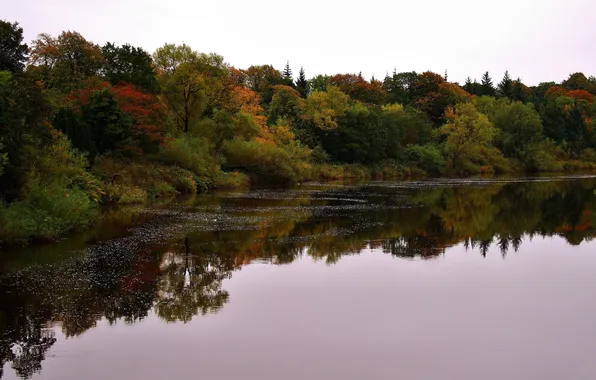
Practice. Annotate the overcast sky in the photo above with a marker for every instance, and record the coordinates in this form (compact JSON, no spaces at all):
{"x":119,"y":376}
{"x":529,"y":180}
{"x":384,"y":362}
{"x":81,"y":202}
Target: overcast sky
{"x":537,"y":40}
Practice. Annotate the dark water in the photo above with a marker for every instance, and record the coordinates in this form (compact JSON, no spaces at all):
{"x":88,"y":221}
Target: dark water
{"x":423,"y":280}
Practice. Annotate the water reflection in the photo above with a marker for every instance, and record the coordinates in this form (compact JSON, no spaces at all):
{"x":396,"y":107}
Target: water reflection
{"x":184,"y":276}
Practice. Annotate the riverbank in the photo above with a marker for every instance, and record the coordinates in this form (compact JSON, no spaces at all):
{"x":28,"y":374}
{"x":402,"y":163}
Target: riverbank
{"x":52,"y":216}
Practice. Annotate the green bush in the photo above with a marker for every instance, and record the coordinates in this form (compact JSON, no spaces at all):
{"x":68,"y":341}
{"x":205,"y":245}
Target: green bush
{"x":192,"y":153}
{"x":268,"y":159}
{"x":427,"y":157}
{"x":49,"y":211}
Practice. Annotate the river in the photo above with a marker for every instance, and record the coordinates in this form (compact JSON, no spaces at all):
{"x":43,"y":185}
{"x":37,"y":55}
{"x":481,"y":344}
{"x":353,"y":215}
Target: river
{"x":437,"y":279}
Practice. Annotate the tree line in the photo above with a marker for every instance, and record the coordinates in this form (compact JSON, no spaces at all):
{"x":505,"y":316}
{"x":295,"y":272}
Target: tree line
{"x":83,"y":124}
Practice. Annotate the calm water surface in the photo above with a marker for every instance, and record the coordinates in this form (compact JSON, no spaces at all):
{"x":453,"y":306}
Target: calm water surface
{"x":420,"y":280}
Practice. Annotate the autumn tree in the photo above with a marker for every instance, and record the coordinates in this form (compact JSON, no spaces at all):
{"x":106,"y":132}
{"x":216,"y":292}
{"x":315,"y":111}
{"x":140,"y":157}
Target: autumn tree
{"x":188,"y":80}
{"x":466,"y":131}
{"x":578,"y":81}
{"x":358,"y":88}
{"x":436,"y":101}
{"x":325,"y":107}
{"x":261,"y":80}
{"x":147,"y":114}
{"x":581,"y":95}
{"x":129,"y":64}
{"x":302,"y":83}
{"x":554,"y":92}
{"x":13,"y":52}
{"x":64,"y":62}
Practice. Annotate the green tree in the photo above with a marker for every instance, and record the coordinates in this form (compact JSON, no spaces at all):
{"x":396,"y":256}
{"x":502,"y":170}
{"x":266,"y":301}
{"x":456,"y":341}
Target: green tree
{"x":403,"y":127}
{"x":13,"y":52}
{"x":519,"y":91}
{"x":506,"y":86}
{"x":318,"y":83}
{"x":486,"y":85}
{"x":70,"y":122}
{"x":577,"y":131}
{"x":109,"y":127}
{"x":468,"y":85}
{"x":302,"y":83}
{"x":286,"y":103}
{"x":521,"y":129}
{"x":129,"y":64}
{"x":24,"y":111}
{"x":188,"y":80}
{"x":399,"y":87}
{"x":287,"y":75}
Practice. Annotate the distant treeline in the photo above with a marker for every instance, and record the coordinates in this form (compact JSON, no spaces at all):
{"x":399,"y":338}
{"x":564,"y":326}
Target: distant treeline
{"x":82,"y":124}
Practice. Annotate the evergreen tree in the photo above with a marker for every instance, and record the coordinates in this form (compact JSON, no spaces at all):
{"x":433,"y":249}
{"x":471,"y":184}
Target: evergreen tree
{"x":506,"y":86}
{"x":476,"y":88}
{"x":302,"y":83}
{"x":517,"y":91}
{"x":468,"y":86}
{"x":577,"y":132}
{"x":287,"y":73}
{"x":446,"y":76}
{"x":486,"y":84}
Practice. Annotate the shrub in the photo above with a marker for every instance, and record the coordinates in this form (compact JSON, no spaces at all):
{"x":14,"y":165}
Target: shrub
{"x":231,"y":180}
{"x":588,"y":155}
{"x":123,"y":193}
{"x":190,"y":153}
{"x":427,"y":157}
{"x":161,"y":190}
{"x":48,"y":211}
{"x":268,"y":159}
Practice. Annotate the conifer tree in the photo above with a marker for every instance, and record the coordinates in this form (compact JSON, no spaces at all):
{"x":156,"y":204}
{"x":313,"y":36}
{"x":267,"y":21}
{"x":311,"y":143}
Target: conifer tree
{"x":468,"y":85}
{"x":487,"y":86}
{"x":302,"y":83}
{"x":287,"y":73}
{"x":506,"y":86}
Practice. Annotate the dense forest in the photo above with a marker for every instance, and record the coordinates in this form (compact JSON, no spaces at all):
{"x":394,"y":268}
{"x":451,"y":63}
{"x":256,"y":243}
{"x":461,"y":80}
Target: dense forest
{"x":83,"y":125}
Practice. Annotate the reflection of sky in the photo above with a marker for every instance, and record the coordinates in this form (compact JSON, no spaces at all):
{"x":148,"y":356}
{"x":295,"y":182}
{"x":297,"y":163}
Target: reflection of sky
{"x":371,"y":315}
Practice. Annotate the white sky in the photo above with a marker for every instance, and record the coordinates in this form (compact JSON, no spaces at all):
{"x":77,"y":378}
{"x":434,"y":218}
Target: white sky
{"x":537,"y":40}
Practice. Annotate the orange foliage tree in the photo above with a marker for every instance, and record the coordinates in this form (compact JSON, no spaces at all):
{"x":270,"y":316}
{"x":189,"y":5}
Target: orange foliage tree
{"x":581,"y":94}
{"x":358,"y":88}
{"x":147,"y":113}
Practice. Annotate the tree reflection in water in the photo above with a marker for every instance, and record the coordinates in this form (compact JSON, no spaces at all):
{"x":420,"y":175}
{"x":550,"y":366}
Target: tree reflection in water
{"x":121,"y":283}
{"x":190,"y":284}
